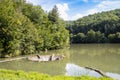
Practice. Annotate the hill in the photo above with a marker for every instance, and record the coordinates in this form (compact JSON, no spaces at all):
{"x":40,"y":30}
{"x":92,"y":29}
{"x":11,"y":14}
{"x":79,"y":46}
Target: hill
{"x":97,"y":28}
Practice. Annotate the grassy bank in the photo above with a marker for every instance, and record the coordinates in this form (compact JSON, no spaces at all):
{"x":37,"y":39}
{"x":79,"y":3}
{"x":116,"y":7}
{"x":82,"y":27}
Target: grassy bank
{"x":21,"y":75}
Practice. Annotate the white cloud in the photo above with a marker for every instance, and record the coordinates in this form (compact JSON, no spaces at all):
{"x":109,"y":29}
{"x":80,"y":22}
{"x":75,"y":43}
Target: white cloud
{"x":77,"y":16}
{"x":45,"y":4}
{"x":92,"y":11}
{"x":62,"y":9}
{"x":35,"y":2}
{"x":105,"y":6}
{"x":48,"y":5}
{"x":102,"y":6}
{"x":108,"y":5}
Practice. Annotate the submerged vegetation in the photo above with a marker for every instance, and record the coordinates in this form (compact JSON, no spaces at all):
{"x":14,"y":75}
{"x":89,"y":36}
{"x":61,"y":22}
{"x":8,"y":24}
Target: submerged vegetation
{"x":21,"y":75}
{"x":97,"y":28}
{"x":27,"y":29}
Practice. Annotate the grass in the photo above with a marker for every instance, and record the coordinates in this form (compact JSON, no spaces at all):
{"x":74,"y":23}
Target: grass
{"x":21,"y":75}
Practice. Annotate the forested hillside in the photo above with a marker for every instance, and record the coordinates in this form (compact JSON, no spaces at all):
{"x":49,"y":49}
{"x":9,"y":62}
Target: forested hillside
{"x":27,"y":29}
{"x":97,"y":28}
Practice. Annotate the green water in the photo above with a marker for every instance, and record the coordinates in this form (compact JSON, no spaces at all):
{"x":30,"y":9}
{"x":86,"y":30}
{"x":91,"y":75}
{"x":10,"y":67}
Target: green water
{"x":101,"y":56}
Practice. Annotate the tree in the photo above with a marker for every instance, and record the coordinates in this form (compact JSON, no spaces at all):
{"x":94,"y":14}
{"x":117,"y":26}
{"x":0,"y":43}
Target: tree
{"x":53,"y":15}
{"x":100,"y":38}
{"x":79,"y":38}
{"x":91,"y":36}
{"x":111,"y":37}
{"x":18,"y":32}
{"x":114,"y":38}
{"x":26,"y":29}
{"x":102,"y":24}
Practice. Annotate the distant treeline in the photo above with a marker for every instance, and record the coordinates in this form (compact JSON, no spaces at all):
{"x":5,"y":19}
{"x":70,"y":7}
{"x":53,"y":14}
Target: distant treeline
{"x":97,"y":28}
{"x":27,"y":29}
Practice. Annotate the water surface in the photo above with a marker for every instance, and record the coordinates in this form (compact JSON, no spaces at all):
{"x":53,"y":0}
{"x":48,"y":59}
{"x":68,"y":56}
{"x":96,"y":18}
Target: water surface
{"x":101,"y":56}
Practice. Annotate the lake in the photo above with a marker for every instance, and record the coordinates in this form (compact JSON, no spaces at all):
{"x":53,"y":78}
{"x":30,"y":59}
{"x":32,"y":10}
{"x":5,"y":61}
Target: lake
{"x":104,"y":57}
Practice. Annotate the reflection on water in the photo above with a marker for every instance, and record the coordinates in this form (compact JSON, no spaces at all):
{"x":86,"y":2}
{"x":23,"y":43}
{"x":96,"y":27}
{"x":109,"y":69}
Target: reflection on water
{"x":113,"y":75}
{"x":75,"y":70}
{"x":101,"y":56}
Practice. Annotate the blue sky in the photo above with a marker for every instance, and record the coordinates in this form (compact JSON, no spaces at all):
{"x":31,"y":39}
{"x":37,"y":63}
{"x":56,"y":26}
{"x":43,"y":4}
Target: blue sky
{"x":74,"y":9}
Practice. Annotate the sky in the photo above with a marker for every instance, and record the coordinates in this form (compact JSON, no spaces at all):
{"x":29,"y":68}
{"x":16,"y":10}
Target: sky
{"x":75,"y":9}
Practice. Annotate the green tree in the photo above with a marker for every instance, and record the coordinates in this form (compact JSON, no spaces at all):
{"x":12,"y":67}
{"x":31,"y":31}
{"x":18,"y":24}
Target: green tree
{"x":17,"y":31}
{"x":103,"y":24}
{"x":53,"y":15}
{"x":99,"y":37}
{"x":91,"y":36}
{"x":114,"y":38}
{"x":79,"y":38}
{"x":27,"y":29}
{"x":111,"y":37}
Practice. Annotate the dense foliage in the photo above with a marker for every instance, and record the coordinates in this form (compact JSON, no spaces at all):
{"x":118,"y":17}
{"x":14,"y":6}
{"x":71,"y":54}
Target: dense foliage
{"x":97,"y":28}
{"x":21,"y":75}
{"x":27,"y":29}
